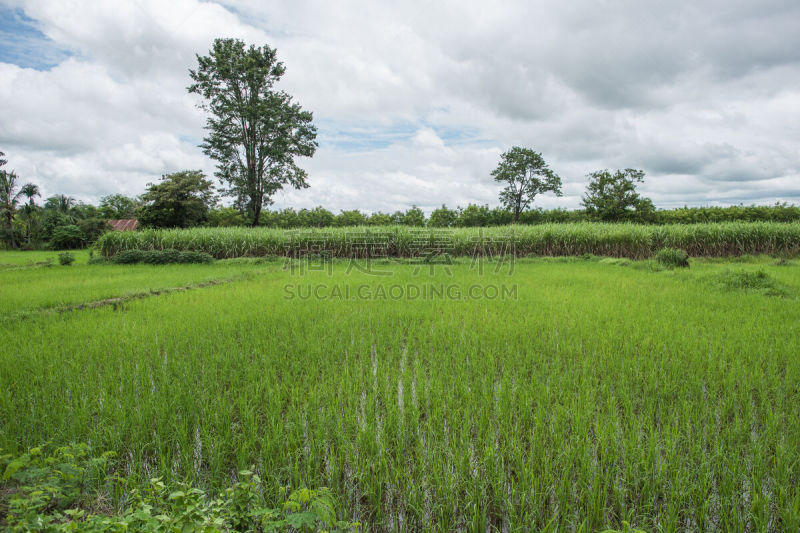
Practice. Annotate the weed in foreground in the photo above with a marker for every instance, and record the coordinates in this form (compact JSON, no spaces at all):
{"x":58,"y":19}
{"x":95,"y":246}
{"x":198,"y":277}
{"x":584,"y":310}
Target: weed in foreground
{"x":70,"y":489}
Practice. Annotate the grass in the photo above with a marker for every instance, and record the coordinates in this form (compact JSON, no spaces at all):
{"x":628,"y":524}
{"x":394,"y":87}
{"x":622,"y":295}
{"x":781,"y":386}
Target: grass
{"x":619,"y":240}
{"x":592,"y":395}
{"x":32,"y":288}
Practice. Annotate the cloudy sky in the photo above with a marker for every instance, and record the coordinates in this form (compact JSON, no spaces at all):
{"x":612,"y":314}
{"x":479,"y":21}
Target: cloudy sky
{"x":415,"y":101}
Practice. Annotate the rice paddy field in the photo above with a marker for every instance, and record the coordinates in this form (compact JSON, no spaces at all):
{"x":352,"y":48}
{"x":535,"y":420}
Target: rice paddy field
{"x":500,"y":394}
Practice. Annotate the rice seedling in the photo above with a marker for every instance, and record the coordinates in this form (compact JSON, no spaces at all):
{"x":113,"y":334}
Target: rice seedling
{"x":589,"y":397}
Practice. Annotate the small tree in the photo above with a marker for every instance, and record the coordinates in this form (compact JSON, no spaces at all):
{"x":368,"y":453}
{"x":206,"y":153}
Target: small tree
{"x":118,"y":206}
{"x":179,"y":200}
{"x":380,"y":219}
{"x":473,"y":216}
{"x":613,"y":197}
{"x":225,"y":217}
{"x":526,"y":175}
{"x":254,"y":131}
{"x":443,"y":217}
{"x":414,"y":217}
{"x":351,"y":218}
{"x":67,"y":237}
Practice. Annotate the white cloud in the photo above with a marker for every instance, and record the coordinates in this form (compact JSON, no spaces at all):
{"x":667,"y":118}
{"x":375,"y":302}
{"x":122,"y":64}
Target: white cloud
{"x":416,"y":101}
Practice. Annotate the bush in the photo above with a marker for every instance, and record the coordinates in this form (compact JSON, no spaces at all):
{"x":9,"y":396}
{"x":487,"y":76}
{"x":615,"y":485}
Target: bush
{"x":194,"y":257}
{"x":65,"y":237}
{"x":65,"y":258}
{"x":672,"y":258}
{"x":127,"y":257}
{"x":160,"y":257}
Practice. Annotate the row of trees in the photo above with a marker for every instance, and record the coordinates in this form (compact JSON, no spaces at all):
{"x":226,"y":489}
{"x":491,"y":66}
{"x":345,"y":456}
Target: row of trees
{"x":187,"y":199}
{"x":610,"y":196}
{"x":474,"y":215}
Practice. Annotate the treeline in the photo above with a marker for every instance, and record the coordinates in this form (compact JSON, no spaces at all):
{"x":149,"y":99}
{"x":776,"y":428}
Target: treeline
{"x":186,"y":199}
{"x":61,"y":222}
{"x":484,"y":216}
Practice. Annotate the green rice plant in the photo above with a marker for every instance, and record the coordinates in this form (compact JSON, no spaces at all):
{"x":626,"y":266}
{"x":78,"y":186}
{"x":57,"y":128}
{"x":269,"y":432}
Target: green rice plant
{"x":593,"y":397}
{"x":747,"y":280}
{"x":672,"y":258}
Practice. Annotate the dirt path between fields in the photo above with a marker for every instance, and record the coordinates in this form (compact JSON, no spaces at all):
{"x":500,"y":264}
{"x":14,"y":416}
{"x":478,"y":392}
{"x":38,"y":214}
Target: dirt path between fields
{"x":119,"y":301}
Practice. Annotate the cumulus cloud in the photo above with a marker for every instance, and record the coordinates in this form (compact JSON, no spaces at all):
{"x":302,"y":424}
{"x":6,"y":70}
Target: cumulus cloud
{"x":416,"y":101}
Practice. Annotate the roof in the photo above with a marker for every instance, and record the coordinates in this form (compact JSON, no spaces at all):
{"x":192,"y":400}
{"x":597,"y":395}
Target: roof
{"x":129,"y":224}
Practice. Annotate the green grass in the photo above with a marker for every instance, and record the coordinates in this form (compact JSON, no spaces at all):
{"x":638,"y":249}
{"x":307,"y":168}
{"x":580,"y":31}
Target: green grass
{"x":16,"y":259}
{"x":619,"y":240}
{"x":600,"y":394}
{"x":32,"y":288}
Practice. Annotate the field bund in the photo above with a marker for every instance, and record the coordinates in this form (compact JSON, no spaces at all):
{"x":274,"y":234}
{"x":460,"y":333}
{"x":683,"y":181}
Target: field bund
{"x":633,"y":241}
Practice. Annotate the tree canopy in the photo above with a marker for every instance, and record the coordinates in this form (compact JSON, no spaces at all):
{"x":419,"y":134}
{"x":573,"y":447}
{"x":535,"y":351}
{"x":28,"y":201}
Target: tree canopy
{"x":526,"y":175}
{"x":179,"y":200}
{"x":613,"y":196}
{"x":254,"y":131}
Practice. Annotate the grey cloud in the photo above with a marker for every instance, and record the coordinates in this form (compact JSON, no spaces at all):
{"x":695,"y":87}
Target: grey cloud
{"x":705,"y":97}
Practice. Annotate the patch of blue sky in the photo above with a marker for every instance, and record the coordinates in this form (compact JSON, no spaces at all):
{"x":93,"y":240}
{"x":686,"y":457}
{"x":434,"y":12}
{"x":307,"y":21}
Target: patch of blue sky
{"x":190,"y":139}
{"x":366,"y":137}
{"x":22,"y":44}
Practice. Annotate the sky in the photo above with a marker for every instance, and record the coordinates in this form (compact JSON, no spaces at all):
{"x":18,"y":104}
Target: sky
{"x":415,"y":101}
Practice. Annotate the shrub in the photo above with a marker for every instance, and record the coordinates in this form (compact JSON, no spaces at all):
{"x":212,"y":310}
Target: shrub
{"x":127,"y":257}
{"x":672,"y":258}
{"x":65,"y":237}
{"x":65,"y":258}
{"x":194,"y":257}
{"x":160,"y":257}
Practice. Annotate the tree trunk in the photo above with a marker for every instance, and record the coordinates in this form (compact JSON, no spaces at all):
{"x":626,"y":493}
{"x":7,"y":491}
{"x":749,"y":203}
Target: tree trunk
{"x":10,"y":224}
{"x":256,"y":212}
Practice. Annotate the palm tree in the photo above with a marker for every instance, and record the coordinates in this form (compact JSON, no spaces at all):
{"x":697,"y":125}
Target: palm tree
{"x":9,"y":197}
{"x":61,"y":203}
{"x":29,"y":190}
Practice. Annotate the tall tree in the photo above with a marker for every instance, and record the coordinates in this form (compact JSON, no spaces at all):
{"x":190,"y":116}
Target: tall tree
{"x":9,"y":198}
{"x":62,"y":204}
{"x":526,"y":175}
{"x":179,"y":200}
{"x":254,"y":131}
{"x":29,"y":191}
{"x":613,"y":197}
